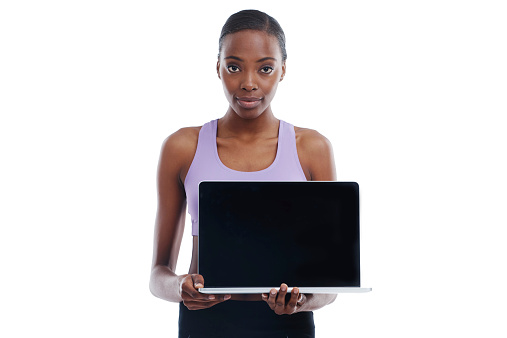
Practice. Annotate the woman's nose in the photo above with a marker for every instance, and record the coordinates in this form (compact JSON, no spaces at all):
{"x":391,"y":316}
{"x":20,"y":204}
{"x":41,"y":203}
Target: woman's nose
{"x":249,"y":82}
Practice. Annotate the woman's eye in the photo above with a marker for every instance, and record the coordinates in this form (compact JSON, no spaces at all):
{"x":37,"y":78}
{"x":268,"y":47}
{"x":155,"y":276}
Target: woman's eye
{"x":232,"y":68}
{"x":267,"y":69}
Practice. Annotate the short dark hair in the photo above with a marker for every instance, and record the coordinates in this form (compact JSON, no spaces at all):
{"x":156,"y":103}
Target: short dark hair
{"x":256,"y":20}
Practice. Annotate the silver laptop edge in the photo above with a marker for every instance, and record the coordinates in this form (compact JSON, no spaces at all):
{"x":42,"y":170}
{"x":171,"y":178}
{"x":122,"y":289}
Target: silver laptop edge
{"x":301,"y":290}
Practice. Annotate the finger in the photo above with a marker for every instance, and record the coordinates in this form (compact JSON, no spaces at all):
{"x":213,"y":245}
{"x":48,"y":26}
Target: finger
{"x":272,"y":299}
{"x":201,"y":298}
{"x":218,"y":298}
{"x":280,"y":300}
{"x":193,"y":304}
{"x":198,"y":305}
{"x":301,"y":299}
{"x":223,"y":298}
{"x":198,"y":281}
{"x":190,"y":291}
{"x":293,"y":299}
{"x":211,"y":298}
{"x":187,"y":287}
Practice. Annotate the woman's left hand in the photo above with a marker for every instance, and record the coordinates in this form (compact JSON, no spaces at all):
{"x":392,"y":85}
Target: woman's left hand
{"x":276,"y":300}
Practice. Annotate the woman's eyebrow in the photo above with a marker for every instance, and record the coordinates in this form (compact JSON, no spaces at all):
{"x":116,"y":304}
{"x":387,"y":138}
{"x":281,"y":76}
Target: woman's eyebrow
{"x":260,"y":60}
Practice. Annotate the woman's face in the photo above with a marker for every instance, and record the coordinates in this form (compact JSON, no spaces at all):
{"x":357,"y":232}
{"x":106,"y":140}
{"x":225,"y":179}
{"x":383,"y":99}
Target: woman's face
{"x":250,"y":67}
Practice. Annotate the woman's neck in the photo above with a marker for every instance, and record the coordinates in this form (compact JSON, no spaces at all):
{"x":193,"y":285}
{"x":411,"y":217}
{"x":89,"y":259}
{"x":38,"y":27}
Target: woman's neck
{"x":232,"y":125}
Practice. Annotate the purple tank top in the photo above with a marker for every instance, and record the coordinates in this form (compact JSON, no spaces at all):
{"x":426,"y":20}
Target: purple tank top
{"x":207,"y":165}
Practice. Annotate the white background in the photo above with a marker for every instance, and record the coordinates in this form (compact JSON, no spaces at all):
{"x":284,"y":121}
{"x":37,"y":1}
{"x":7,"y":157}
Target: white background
{"x":410,"y":93}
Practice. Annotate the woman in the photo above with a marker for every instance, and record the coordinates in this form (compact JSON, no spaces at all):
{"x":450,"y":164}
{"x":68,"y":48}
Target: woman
{"x":247,"y":143}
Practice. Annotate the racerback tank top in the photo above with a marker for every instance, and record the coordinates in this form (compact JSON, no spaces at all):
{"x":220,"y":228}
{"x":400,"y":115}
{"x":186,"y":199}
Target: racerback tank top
{"x":207,"y":165}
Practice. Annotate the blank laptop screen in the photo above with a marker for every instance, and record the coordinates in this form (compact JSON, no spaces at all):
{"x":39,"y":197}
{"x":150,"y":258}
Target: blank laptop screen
{"x":262,"y":234}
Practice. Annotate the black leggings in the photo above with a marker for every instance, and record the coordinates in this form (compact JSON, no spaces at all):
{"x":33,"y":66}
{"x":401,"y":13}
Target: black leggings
{"x":233,"y":319}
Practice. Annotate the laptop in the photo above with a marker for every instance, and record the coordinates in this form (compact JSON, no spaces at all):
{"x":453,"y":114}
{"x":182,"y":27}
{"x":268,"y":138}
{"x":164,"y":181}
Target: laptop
{"x":256,"y":235}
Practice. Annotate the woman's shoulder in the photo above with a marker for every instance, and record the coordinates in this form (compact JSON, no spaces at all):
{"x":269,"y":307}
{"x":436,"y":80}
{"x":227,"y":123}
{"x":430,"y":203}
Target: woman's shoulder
{"x":182,"y":138}
{"x":310,"y":140}
{"x":185,"y":135}
{"x":315,"y":155}
{"x":179,"y":147}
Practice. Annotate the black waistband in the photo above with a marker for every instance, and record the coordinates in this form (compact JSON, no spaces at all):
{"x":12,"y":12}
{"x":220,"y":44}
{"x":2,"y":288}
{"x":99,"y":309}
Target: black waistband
{"x":243,"y":319}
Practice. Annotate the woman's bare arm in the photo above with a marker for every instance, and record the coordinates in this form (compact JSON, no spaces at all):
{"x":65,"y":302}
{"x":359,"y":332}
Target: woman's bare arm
{"x":170,"y":220}
{"x":177,"y":153}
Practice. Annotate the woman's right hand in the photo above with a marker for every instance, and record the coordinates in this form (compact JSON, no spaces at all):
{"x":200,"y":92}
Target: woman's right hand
{"x":192,"y":298}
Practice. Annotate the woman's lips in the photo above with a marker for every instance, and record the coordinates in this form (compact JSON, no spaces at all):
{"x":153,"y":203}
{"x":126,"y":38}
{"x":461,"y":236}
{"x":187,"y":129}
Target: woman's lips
{"x":249,"y":104}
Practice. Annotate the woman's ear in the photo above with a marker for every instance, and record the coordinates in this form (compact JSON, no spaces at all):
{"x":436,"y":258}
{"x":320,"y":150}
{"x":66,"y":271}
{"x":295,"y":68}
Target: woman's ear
{"x":218,"y":69}
{"x":283,"y":71}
